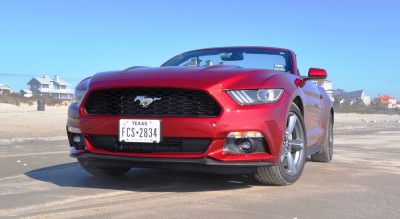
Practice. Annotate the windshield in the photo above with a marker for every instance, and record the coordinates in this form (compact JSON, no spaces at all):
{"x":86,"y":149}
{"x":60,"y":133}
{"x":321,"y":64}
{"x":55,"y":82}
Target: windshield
{"x":277,"y":60}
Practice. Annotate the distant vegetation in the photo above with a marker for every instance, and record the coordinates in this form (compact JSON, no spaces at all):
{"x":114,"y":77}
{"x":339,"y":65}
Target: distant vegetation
{"x":17,"y":99}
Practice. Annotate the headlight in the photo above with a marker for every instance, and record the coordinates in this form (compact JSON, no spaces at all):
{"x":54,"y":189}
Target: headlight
{"x":251,"y":97}
{"x":81,"y":90}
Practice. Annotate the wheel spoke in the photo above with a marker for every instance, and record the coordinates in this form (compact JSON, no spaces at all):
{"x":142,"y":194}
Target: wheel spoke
{"x":296,"y":144}
{"x":290,"y":161}
{"x":292,"y":124}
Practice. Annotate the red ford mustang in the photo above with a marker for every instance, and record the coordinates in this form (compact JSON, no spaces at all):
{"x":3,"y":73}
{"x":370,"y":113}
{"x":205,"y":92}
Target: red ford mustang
{"x":236,"y":110}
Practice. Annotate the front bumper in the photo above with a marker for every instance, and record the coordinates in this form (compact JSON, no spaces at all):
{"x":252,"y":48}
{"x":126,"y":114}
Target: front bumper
{"x":199,"y":164}
{"x":268,"y":119}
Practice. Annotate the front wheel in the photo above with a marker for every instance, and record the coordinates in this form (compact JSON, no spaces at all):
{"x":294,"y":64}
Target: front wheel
{"x":293,"y":153}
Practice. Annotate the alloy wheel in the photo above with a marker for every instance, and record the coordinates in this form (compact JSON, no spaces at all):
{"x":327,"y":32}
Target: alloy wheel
{"x":292,"y":155}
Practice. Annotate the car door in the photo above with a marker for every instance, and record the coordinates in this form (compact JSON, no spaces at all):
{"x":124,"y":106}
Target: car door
{"x":312,"y":113}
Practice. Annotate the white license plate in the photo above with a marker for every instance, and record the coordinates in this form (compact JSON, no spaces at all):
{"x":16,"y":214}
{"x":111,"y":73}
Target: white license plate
{"x":139,"y":130}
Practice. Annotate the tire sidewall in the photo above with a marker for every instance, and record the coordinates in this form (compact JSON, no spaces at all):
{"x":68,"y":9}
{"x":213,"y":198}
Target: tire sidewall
{"x":329,"y":145}
{"x":285,"y":176}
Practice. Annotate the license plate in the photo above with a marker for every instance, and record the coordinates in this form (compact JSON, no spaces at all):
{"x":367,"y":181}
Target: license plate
{"x":139,"y":130}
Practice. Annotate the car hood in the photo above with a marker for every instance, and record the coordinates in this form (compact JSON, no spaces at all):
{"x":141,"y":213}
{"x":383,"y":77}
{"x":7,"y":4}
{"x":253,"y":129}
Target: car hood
{"x":228,"y":77}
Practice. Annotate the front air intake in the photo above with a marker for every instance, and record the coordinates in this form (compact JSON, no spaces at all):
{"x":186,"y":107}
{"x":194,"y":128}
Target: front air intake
{"x":165,"y":102}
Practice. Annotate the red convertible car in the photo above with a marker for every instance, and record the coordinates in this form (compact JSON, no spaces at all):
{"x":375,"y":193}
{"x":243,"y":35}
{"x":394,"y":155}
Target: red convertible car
{"x":235,"y":110}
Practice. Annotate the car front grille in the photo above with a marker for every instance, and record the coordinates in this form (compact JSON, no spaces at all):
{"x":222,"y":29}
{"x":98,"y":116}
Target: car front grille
{"x":172,"y":102}
{"x":171,"y":145}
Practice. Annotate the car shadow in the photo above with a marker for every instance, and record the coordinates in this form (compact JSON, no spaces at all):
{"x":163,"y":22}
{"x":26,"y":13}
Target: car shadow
{"x":140,"y":179}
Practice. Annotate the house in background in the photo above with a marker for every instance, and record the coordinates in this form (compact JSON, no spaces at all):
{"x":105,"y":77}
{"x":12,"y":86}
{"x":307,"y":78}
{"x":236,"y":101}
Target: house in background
{"x":385,"y":101}
{"x":398,"y":104}
{"x":4,"y":89}
{"x":53,"y":87}
{"x":26,"y":93}
{"x":328,"y":86}
{"x":353,"y":97}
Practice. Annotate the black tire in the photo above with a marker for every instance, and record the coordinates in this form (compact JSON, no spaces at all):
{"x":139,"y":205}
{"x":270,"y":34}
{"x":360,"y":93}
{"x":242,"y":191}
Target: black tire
{"x":103,"y":171}
{"x":326,"y":153}
{"x":280,"y":173}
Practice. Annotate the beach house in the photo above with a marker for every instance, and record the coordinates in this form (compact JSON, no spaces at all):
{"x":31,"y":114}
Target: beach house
{"x":53,"y":87}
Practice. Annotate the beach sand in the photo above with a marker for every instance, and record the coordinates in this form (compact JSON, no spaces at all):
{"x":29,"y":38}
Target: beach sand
{"x":25,"y":121}
{"x":40,"y":180}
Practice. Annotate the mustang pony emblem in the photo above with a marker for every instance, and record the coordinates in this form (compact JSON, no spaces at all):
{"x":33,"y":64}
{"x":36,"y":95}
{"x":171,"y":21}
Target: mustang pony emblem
{"x":146,"y":101}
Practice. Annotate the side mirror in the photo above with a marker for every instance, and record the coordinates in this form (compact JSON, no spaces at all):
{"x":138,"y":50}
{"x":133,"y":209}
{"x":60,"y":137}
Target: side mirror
{"x":317,"y":73}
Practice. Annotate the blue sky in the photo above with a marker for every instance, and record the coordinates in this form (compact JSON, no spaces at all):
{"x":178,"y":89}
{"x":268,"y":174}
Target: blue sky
{"x":357,"y":41}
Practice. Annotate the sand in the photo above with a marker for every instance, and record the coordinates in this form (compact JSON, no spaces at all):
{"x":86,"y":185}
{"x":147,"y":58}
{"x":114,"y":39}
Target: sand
{"x":40,"y":180}
{"x":25,"y":121}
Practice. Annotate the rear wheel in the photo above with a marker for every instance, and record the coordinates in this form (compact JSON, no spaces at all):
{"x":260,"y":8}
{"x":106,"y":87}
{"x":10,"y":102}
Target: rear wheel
{"x":103,"y":171}
{"x":325,"y":155}
{"x":293,"y":153}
